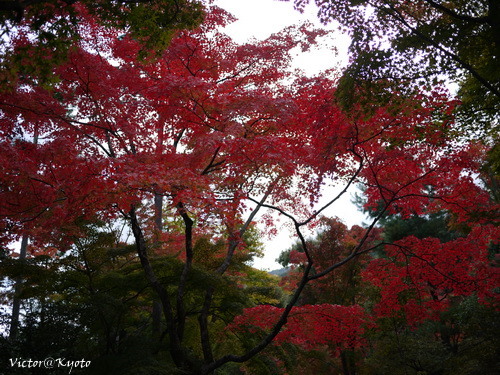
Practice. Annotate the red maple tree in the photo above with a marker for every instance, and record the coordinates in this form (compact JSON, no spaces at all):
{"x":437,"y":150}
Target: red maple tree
{"x":202,"y":134}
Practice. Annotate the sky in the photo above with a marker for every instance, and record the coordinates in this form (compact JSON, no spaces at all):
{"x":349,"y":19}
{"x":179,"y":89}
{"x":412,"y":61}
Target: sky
{"x":259,"y":19}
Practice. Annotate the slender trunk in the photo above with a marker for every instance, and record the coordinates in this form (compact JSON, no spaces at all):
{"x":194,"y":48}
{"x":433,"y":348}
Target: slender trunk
{"x":345,"y":366}
{"x":206,"y":346}
{"x":156,"y":310}
{"x":181,"y":311}
{"x":348,"y":366}
{"x":16,"y":303}
{"x":92,"y":291}
{"x":176,"y":350}
{"x":158,"y":207}
{"x":156,"y":318}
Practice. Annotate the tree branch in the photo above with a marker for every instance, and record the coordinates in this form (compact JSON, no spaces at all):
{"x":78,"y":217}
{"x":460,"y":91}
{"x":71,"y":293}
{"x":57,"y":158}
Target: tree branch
{"x":393,"y":12}
{"x":452,"y":13}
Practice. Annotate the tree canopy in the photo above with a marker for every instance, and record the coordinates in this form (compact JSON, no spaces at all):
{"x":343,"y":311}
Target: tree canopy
{"x":410,"y":44}
{"x":139,"y":184}
{"x":38,"y":34}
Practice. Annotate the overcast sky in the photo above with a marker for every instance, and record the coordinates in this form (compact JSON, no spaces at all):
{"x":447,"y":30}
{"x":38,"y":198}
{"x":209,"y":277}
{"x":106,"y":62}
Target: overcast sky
{"x":259,"y":19}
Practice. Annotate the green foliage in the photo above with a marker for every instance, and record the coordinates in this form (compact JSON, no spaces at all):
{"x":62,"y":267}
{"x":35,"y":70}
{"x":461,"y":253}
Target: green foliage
{"x":435,"y":225}
{"x":399,"y":48}
{"x":88,"y":303}
{"x":55,"y":27}
{"x":464,"y":341}
{"x":153,"y":23}
{"x":94,"y":302}
{"x":262,"y":288}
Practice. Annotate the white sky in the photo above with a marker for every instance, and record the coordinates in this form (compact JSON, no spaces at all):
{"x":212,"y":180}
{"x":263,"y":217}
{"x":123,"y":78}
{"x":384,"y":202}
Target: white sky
{"x":259,"y":19}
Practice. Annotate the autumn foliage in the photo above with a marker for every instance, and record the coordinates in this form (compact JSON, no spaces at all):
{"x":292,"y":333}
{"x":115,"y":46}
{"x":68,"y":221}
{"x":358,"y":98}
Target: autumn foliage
{"x":310,"y":326}
{"x":188,"y":147}
{"x":419,"y":277}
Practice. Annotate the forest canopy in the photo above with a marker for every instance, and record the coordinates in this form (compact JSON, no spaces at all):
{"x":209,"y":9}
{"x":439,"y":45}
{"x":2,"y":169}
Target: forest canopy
{"x":136,"y":171}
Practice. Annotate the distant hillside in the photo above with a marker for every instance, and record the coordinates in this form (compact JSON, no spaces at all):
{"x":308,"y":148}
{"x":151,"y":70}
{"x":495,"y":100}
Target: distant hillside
{"x":281,"y":272}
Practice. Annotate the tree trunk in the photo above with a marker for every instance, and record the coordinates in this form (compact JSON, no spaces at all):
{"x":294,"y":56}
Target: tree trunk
{"x":16,"y":303}
{"x":156,"y":311}
{"x":348,"y":367}
{"x":176,"y":350}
